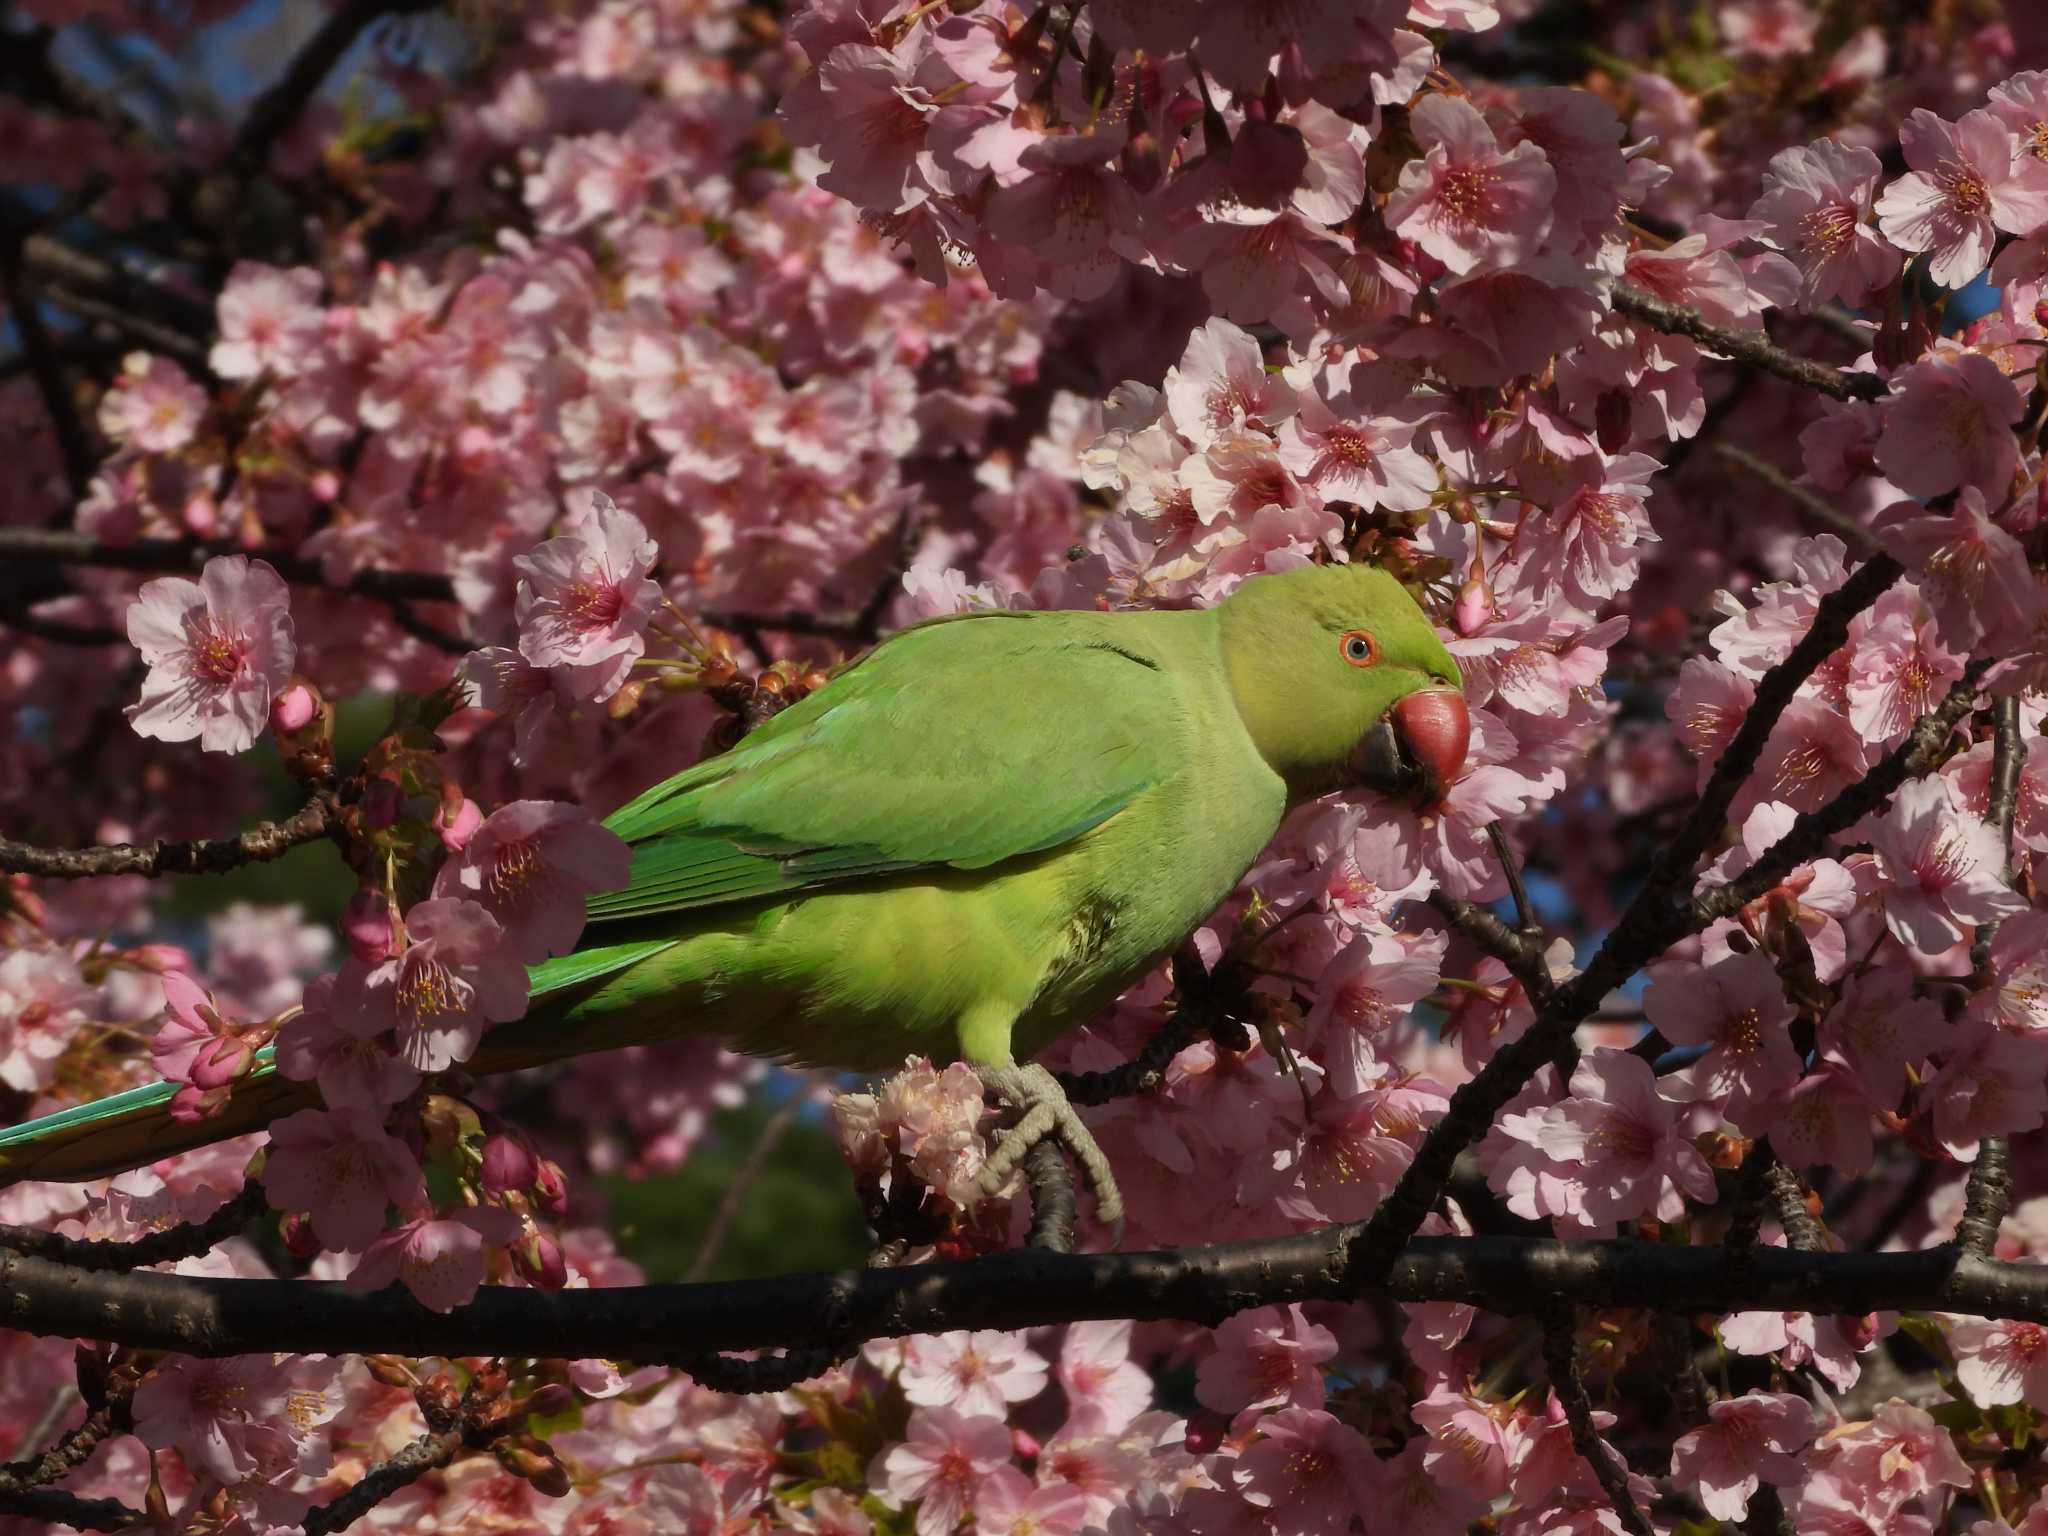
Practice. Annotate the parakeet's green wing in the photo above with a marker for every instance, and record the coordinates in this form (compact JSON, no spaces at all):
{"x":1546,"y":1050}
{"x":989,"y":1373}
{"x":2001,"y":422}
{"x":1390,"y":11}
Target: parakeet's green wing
{"x":955,"y":744}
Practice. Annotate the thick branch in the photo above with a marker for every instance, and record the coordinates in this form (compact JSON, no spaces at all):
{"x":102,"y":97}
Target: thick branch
{"x":1753,"y":348}
{"x":261,"y":843}
{"x":60,"y":1508}
{"x":1016,"y":1289}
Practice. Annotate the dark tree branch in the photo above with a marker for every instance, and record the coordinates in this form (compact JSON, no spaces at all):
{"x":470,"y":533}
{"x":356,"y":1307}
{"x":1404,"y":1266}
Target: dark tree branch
{"x":273,"y":113}
{"x":60,"y":1508}
{"x":1788,"y":1201}
{"x":1561,"y":1355}
{"x":180,"y":1242}
{"x":1052,"y":1198}
{"x":71,"y":1452}
{"x":1753,"y":348}
{"x":434,"y":1449}
{"x":1026,"y":1287}
{"x":1986,"y":1196}
{"x":261,"y":843}
{"x":66,"y":546}
{"x":73,"y":444}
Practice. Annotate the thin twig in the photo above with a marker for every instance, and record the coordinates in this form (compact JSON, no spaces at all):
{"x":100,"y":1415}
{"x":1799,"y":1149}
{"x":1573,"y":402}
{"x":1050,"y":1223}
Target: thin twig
{"x":261,"y":843}
{"x":1986,"y":1195}
{"x":743,"y":1180}
{"x":57,"y":1507}
{"x":1561,"y":1355}
{"x":185,"y":1241}
{"x":1753,"y":348}
{"x":1810,"y":506}
{"x":408,"y":1465}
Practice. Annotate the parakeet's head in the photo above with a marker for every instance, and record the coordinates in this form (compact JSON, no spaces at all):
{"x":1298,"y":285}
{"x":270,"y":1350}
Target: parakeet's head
{"x":1342,"y":681}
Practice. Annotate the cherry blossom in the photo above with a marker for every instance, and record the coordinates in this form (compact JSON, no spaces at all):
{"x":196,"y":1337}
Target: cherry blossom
{"x":585,"y":598}
{"x":1944,"y":869}
{"x":944,"y":1458}
{"x":43,"y":1000}
{"x":440,"y":1261}
{"x":1735,"y":1007}
{"x":1467,"y":203}
{"x":1965,"y":182}
{"x":218,"y":651}
{"x":1948,"y":424}
{"x":450,"y":983}
{"x":344,"y":1170}
{"x":1746,"y":1440}
{"x":530,"y":864}
{"x":1266,"y":1357}
{"x":976,"y":1374}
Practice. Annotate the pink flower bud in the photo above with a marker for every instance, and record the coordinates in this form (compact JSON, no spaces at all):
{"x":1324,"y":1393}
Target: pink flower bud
{"x":556,"y":1397}
{"x":1474,"y":606}
{"x":1860,"y":1332}
{"x":296,"y":1228}
{"x":550,"y":1188}
{"x":201,"y":515}
{"x":220,"y":1062}
{"x":508,"y":1165}
{"x":383,"y":801}
{"x":1025,"y":1444}
{"x":157,"y":958}
{"x":457,"y":830}
{"x":324,"y":486}
{"x":366,"y":924}
{"x":538,"y":1258}
{"x":293,"y":709}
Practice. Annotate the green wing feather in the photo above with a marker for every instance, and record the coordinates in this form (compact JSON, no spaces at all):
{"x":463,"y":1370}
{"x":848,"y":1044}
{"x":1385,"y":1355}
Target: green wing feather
{"x":957,"y":744}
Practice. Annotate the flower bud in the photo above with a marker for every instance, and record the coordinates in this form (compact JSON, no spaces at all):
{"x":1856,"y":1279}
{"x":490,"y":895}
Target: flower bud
{"x":556,"y":1398}
{"x":221,"y":1062}
{"x":508,"y":1164}
{"x":1025,"y":1444}
{"x":457,"y":829}
{"x":293,"y":710}
{"x":366,"y":924}
{"x":550,"y":1188}
{"x":1860,"y":1332}
{"x":157,"y":958}
{"x":296,"y":1228}
{"x":538,"y":1258}
{"x":390,"y":1371}
{"x":1474,"y":606}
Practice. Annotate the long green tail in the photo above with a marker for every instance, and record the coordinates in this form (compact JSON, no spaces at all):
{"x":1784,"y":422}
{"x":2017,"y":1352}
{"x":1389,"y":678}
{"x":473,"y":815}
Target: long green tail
{"x":126,"y":1130}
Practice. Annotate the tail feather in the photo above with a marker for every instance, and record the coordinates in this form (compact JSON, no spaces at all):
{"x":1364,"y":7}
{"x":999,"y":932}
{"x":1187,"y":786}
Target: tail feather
{"x":127,"y":1130}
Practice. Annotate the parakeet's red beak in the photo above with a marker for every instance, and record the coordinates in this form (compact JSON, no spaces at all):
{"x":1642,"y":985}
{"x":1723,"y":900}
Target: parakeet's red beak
{"x":1435,"y":731}
{"x":1419,"y":748}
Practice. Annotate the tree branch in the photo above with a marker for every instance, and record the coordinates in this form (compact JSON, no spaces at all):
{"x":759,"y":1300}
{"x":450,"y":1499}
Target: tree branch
{"x":60,"y":1508}
{"x":185,"y":1241}
{"x":408,"y":1465}
{"x":1020,"y":1288}
{"x":1561,"y":1355}
{"x":261,"y":843}
{"x":273,"y":113}
{"x":1753,"y":348}
{"x":1821,"y":514}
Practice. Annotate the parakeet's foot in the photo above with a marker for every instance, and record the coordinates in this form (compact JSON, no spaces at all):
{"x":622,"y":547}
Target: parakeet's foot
{"x":1047,"y":1113}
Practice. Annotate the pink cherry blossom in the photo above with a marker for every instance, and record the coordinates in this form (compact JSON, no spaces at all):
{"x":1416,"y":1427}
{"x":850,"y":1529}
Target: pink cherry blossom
{"x":270,"y":322}
{"x":154,"y":406}
{"x":976,"y":1374}
{"x":345,"y":1050}
{"x":1736,"y":1008}
{"x":1818,"y":200}
{"x":1991,"y":1084}
{"x":530,"y":864}
{"x":440,"y":1261}
{"x":244,"y":1417}
{"x":585,"y":600}
{"x":341,"y":1167}
{"x":1965,"y":182}
{"x":218,"y":651}
{"x":1949,"y":424}
{"x":1465,"y":202}
{"x":1945,"y":869}
{"x":1973,"y":572}
{"x":1745,"y":1441}
{"x":1265,"y":1357}
{"x":1879,"y":1030}
{"x":944,"y":1459}
{"x":1007,"y":1504}
{"x":1221,"y":386}
{"x":1626,"y":1140}
{"x":453,"y":979}
{"x":1471,"y":1441}
{"x":1363,"y":459}
{"x":2000,"y":1362}
{"x":1106,"y":1389}
{"x":1309,"y":1470}
{"x":42,"y":1002}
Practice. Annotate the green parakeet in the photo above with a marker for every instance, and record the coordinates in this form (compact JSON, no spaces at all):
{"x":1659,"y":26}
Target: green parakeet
{"x":971,"y":839}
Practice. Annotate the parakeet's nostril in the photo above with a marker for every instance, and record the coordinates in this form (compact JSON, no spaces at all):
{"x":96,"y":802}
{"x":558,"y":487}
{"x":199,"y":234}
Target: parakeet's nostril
{"x":1435,"y":732}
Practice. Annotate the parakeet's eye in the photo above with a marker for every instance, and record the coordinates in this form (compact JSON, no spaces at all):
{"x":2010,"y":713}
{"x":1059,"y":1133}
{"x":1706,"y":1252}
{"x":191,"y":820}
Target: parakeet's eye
{"x":1360,"y":649}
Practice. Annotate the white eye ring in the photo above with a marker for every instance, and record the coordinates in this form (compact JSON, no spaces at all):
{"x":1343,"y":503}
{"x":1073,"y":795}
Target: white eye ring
{"x":1359,"y":648}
